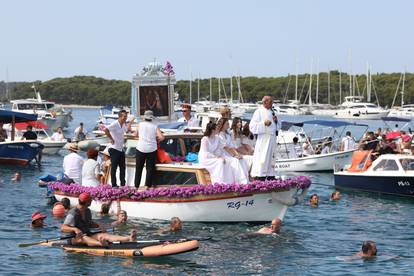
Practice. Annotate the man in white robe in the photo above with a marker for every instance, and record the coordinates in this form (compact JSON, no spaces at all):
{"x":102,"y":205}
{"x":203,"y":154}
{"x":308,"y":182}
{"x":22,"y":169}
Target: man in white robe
{"x":264,"y":125}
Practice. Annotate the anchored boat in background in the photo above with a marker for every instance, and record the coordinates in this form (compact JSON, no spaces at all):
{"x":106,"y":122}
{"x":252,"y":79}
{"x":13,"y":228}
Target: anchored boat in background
{"x":18,"y":152}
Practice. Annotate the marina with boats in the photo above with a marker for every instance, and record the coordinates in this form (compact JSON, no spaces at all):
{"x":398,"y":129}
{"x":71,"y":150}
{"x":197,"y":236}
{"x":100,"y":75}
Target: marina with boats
{"x":307,"y":147}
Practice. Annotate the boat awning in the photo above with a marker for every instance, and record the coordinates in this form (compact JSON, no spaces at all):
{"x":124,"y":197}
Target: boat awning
{"x":332,"y":123}
{"x":395,"y":119}
{"x":286,"y":125}
{"x":6,"y":116}
{"x":34,"y":124}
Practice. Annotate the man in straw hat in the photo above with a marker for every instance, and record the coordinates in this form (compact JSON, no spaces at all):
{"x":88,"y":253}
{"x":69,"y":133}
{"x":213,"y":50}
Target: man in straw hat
{"x":115,"y":132}
{"x":79,"y":221}
{"x":72,"y":163}
{"x":149,"y":134}
{"x":187,"y":118}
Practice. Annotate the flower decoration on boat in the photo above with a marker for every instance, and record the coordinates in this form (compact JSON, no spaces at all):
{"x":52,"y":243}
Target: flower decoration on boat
{"x":107,"y":193}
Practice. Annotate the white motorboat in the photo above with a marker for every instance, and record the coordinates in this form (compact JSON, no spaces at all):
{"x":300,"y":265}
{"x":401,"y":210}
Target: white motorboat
{"x":388,"y":174}
{"x":291,"y":108}
{"x":50,"y":147}
{"x":185,"y":190}
{"x":48,"y":113}
{"x":288,"y":162}
{"x":406,"y":111}
{"x":355,"y":108}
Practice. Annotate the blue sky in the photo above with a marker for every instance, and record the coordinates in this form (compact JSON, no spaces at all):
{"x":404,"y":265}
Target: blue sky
{"x":114,"y":39}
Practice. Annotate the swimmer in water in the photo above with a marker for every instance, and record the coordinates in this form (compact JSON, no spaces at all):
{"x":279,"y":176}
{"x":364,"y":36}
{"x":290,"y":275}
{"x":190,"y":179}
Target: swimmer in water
{"x":368,"y":250}
{"x":17,"y":177}
{"x":335,"y":196}
{"x":314,"y":200}
{"x":273,"y":229}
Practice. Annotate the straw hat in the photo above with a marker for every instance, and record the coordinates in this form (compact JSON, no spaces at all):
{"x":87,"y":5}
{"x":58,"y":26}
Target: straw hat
{"x":73,"y":147}
{"x":105,"y":151}
{"x":148,"y":115}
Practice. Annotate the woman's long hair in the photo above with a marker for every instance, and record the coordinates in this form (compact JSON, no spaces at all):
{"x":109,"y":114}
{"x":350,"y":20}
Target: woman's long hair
{"x":221,"y":122}
{"x":211,"y":126}
{"x":246,"y":131}
{"x":236,"y":131}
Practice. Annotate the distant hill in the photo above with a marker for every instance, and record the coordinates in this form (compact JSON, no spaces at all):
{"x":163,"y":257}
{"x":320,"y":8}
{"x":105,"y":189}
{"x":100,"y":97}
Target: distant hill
{"x":89,"y":90}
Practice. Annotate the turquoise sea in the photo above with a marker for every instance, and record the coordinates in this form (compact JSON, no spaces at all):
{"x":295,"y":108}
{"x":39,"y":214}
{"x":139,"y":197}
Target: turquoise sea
{"x":309,"y":244}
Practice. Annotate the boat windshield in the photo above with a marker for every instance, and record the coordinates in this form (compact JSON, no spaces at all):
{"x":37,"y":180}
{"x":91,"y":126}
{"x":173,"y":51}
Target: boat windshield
{"x":31,"y":106}
{"x":386,"y":165}
{"x":407,"y":164}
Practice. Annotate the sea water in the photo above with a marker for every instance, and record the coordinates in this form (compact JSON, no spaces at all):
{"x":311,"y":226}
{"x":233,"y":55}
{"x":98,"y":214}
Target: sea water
{"x":313,"y":241}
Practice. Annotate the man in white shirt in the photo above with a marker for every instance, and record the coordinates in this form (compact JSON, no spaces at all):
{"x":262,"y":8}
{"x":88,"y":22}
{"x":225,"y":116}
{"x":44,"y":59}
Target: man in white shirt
{"x":348,"y":142}
{"x":295,"y":150}
{"x":80,"y":133}
{"x":264,"y":125}
{"x":58,"y":135}
{"x":115,"y":132}
{"x":72,"y":164}
{"x":190,"y":120}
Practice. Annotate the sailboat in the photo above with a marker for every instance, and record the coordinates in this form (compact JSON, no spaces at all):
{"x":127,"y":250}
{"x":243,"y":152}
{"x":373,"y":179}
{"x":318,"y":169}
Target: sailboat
{"x":405,"y":110}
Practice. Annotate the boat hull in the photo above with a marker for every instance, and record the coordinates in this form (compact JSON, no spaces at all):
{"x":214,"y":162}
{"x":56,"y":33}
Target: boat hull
{"x":19,"y":152}
{"x":361,"y":115}
{"x":395,"y":185}
{"x":51,"y":147}
{"x":259,"y":207}
{"x":325,"y":162}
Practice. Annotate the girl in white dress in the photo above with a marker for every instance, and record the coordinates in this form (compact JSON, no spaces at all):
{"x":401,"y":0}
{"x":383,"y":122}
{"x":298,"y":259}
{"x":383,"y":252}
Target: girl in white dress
{"x":211,"y":157}
{"x":239,"y":165}
{"x":238,"y":138}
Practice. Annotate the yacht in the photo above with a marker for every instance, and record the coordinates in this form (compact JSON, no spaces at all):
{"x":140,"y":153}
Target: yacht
{"x":48,"y":113}
{"x":291,"y":108}
{"x":354,"y":108}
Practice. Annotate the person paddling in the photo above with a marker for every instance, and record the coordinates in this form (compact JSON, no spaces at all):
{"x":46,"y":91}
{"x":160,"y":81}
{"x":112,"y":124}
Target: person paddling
{"x":79,"y":221}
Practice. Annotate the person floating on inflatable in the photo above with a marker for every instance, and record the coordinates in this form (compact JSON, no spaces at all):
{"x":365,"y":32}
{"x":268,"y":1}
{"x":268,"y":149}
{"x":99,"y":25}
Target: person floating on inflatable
{"x":79,"y":221}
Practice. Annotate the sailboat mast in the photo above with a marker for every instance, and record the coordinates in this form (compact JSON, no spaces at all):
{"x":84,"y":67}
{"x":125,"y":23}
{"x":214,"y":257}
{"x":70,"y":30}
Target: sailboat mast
{"x":340,"y":86}
{"x":368,"y":84}
{"x":231,"y":89}
{"x":317,"y":82}
{"x":191,"y":88}
{"x":296,"y":81}
{"x":219,"y":90}
{"x":211,"y":89}
{"x":402,"y":90}
{"x":329,"y":86}
{"x":198,"y":88}
{"x":310,"y":84}
{"x":7,"y":84}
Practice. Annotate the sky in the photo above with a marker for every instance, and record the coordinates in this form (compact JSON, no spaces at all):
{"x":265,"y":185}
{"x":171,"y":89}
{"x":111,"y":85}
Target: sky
{"x":45,"y":39}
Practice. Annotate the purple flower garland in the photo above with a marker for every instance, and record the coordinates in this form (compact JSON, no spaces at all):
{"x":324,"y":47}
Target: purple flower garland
{"x":107,"y":193}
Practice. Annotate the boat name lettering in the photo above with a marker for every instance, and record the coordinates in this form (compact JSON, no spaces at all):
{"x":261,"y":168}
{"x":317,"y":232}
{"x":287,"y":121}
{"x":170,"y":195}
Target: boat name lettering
{"x":403,"y":183}
{"x":237,"y":204}
{"x":283,"y":166}
{"x":15,"y":147}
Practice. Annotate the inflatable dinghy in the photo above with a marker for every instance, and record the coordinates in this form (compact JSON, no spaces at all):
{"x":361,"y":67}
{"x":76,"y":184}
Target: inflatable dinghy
{"x":132,"y":249}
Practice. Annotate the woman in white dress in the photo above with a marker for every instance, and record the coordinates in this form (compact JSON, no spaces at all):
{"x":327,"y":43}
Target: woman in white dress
{"x":211,"y":157}
{"x":239,"y":165}
{"x":91,"y":176}
{"x":238,"y":139}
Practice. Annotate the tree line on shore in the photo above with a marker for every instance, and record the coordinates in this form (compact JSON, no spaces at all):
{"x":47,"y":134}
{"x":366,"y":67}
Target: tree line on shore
{"x":90,"y":90}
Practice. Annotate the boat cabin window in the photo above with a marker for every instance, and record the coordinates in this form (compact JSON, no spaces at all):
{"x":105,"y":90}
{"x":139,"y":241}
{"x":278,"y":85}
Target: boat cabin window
{"x":174,"y":178}
{"x":386,"y":165}
{"x":407,"y":164}
{"x":30,"y":106}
